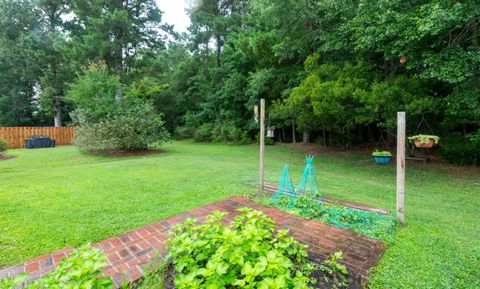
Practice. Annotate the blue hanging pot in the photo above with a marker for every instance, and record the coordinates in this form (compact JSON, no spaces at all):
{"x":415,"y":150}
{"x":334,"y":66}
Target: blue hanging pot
{"x":382,"y":158}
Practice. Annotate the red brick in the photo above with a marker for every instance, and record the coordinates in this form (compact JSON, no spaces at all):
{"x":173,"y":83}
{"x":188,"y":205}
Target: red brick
{"x":32,"y":267}
{"x":132,"y":249}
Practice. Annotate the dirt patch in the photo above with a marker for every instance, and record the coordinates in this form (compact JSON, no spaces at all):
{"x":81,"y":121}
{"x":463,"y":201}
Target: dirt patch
{"x":353,"y":280}
{"x":6,"y":157}
{"x":121,"y":154}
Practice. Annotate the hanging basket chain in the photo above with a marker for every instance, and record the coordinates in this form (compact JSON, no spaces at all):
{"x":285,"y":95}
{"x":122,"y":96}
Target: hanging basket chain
{"x":425,"y":122}
{"x":384,"y":142}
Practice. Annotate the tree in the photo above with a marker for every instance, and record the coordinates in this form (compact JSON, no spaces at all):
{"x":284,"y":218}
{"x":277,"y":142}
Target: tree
{"x":18,"y":70}
{"x":120,"y":32}
{"x":56,"y":69}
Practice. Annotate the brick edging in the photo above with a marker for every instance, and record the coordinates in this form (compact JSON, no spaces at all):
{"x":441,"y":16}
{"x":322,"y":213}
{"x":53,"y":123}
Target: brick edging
{"x":129,"y":252}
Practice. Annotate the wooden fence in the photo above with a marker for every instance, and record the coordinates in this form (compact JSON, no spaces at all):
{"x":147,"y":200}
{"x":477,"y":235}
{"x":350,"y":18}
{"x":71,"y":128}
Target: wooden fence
{"x":16,"y":136}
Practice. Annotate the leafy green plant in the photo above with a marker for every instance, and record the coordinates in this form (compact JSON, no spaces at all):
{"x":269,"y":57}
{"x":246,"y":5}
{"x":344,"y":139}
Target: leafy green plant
{"x":153,"y":277}
{"x":335,"y":271}
{"x":106,"y":122}
{"x":245,"y":254}
{"x":132,"y":125}
{"x":77,"y":272}
{"x":424,"y":139}
{"x":377,"y":153}
{"x":367,"y":223}
{"x":3,"y":145}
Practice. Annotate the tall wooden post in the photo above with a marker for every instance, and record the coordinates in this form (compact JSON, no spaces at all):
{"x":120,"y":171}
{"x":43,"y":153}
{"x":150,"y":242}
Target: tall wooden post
{"x":401,"y":127}
{"x":262,"y":143}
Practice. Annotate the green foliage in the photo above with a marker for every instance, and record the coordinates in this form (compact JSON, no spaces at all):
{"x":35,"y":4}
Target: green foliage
{"x":424,"y":139}
{"x":80,"y":270}
{"x":94,"y":92}
{"x":3,"y":145}
{"x":246,"y":254}
{"x":153,"y":277}
{"x":335,"y":270}
{"x":133,"y":125}
{"x":105,"y":123}
{"x":367,"y":223}
{"x":459,"y":150}
{"x":87,"y":209}
{"x":381,"y":153}
{"x":203,"y":133}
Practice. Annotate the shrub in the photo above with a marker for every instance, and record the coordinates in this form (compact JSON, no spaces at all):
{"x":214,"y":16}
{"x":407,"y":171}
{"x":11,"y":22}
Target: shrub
{"x":457,"y":150}
{"x":78,"y":271}
{"x":230,"y":133}
{"x":245,"y":254}
{"x":105,"y":123}
{"x":203,"y":133}
{"x":133,"y":125}
{"x":3,"y":145}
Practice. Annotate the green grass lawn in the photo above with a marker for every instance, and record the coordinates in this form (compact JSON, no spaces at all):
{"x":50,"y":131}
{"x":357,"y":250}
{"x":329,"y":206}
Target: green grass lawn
{"x":52,"y":198}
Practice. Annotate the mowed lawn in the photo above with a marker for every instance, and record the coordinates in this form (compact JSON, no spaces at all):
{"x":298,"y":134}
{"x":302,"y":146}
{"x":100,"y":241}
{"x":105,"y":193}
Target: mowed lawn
{"x":52,"y":198}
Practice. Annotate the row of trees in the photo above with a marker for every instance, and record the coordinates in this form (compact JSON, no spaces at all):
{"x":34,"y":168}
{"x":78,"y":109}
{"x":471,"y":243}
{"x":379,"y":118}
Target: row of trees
{"x":45,"y":43}
{"x":336,"y":71}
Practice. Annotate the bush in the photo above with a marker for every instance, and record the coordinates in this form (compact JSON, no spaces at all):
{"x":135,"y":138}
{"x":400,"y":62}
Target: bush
{"x":80,"y":270}
{"x":458,"y":151}
{"x":203,"y":133}
{"x":3,"y":145}
{"x":230,"y":133}
{"x":245,"y":254}
{"x":132,"y":125}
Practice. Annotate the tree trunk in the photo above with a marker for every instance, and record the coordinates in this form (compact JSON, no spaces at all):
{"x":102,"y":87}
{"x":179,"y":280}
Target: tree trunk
{"x":58,"y":112}
{"x":324,"y":134}
{"x":207,"y":54}
{"x":118,"y":72}
{"x":293,"y":132}
{"x":219,"y":50}
{"x":306,"y":137}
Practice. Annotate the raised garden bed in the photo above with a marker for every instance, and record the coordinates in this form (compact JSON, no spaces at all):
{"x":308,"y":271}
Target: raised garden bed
{"x":366,"y":220}
{"x":128,"y":253}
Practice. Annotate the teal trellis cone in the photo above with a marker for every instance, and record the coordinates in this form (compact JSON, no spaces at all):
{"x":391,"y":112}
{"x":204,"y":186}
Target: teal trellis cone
{"x":308,"y":184}
{"x":285,"y":187}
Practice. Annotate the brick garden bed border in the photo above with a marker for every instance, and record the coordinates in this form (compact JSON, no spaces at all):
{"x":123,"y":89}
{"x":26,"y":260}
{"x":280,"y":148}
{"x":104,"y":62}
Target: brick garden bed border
{"x":128,"y":253}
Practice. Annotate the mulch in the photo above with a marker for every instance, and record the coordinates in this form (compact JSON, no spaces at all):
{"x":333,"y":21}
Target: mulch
{"x":6,"y":157}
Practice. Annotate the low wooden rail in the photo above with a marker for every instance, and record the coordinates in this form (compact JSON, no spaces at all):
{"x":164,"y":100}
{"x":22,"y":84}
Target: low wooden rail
{"x":16,"y":136}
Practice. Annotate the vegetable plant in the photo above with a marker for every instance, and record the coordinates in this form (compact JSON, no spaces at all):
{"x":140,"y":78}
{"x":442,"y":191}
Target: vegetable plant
{"x":77,"y":272}
{"x":381,"y":153}
{"x":367,"y":223}
{"x":425,"y":139}
{"x":335,"y":270}
{"x":245,"y":254}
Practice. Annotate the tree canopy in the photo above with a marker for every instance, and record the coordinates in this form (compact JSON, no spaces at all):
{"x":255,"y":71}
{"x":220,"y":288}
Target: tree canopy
{"x":335,"y":70}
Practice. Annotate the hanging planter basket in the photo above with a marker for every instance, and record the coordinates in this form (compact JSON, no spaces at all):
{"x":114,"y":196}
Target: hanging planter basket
{"x":382,"y":157}
{"x":270,"y":132}
{"x":424,"y":141}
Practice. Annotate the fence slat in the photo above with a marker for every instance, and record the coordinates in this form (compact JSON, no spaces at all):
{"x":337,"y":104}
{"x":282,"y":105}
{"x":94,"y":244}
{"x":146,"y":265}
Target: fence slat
{"x":16,"y":136}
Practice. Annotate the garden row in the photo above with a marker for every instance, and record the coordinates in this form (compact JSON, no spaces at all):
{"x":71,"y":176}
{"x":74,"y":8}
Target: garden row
{"x":220,"y":251}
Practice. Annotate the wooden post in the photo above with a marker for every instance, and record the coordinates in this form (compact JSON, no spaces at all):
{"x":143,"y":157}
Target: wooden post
{"x":262,"y":143}
{"x":401,"y":127}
